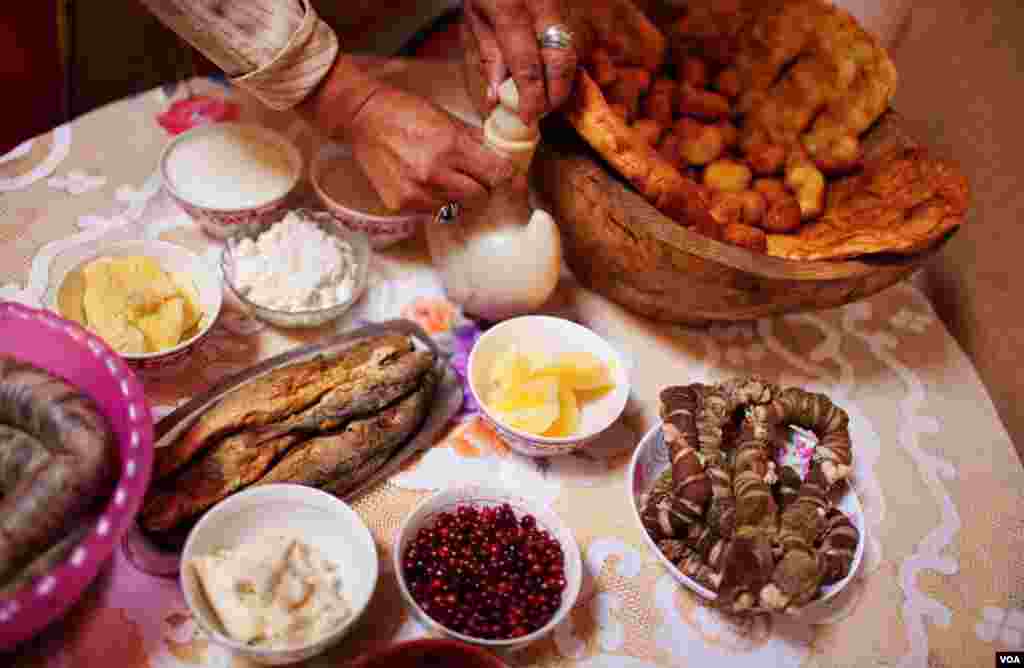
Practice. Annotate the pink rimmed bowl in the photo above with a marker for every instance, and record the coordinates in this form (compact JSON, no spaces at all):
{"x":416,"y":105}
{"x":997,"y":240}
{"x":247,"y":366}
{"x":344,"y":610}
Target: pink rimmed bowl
{"x":65,"y":349}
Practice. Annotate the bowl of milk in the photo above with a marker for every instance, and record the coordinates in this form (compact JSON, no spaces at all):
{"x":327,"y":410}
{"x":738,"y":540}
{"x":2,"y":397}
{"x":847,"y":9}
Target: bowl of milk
{"x":227,"y":174}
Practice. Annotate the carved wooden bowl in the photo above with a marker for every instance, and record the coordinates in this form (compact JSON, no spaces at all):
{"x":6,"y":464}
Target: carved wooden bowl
{"x":620,"y":246}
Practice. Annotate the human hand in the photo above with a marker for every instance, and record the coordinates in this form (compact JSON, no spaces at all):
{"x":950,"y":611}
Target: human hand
{"x":507,"y":33}
{"x":418,"y":157}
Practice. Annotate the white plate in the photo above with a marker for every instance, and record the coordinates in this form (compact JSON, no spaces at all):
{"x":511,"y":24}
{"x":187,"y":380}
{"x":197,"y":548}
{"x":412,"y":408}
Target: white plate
{"x":651,"y":459}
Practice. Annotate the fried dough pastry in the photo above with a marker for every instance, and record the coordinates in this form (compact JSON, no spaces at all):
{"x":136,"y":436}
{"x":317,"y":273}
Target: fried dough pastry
{"x":762,"y":88}
{"x":620,"y":29}
{"x":675,"y":195}
{"x":808,"y":72}
{"x":900,"y":203}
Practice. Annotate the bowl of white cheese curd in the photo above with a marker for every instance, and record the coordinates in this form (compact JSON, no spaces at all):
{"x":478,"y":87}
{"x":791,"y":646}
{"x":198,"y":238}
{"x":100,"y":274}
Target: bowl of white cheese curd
{"x":279,"y":573}
{"x":304,"y":270}
{"x":226,"y":174}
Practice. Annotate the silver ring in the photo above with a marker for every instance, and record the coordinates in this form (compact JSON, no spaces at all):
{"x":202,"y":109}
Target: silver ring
{"x":555,"y":36}
{"x":448,"y":214}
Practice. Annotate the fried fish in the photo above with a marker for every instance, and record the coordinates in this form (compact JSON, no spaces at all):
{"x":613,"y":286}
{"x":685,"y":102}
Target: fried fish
{"x":362,"y":396}
{"x":279,"y":394}
{"x":241,"y":459}
{"x":340,"y":459}
{"x":234,"y":462}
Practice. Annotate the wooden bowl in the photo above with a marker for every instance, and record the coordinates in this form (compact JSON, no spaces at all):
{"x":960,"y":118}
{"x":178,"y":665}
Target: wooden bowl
{"x":620,"y":246}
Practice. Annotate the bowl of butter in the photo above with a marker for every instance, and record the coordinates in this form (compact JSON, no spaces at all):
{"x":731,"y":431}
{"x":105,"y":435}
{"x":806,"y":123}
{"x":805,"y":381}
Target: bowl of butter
{"x":151,"y":301}
{"x":278,"y":573}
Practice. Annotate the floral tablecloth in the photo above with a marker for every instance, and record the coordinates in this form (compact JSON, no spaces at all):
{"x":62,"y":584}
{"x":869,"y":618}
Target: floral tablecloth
{"x":941,"y":486}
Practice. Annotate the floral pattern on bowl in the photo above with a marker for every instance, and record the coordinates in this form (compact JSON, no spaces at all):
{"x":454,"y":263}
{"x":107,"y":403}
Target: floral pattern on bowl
{"x":383,"y":232}
{"x":222,"y":223}
{"x":536,"y":448}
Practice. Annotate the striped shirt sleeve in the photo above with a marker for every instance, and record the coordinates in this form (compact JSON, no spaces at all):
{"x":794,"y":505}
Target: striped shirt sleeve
{"x":278,"y":50}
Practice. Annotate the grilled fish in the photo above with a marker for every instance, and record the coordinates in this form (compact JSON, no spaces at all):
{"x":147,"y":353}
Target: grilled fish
{"x":236,"y":461}
{"x":335,"y":458}
{"x":362,"y":396}
{"x":277,"y":395}
{"x":243,"y":458}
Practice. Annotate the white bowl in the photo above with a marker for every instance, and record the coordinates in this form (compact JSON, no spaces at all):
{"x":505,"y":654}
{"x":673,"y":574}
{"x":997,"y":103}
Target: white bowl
{"x":651,"y":459}
{"x":447,"y":501}
{"x":170,"y":257}
{"x":318,"y":518}
{"x":221,"y":222}
{"x":549,"y":335}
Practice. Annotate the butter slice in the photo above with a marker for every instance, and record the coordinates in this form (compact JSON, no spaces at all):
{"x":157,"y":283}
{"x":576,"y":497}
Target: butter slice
{"x":273,"y":591}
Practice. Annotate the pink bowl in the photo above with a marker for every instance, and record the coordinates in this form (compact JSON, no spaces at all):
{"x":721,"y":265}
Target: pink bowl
{"x":429,"y":652}
{"x":69,"y":351}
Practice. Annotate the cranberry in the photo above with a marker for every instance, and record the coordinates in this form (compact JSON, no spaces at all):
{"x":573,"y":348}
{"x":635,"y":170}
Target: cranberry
{"x":486,"y":573}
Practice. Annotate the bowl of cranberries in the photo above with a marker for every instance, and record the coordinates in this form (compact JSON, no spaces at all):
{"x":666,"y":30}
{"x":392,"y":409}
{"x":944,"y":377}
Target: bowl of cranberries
{"x":487,"y":567}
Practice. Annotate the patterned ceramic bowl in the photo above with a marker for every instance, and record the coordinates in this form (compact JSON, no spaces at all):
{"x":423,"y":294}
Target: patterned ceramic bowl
{"x":67,"y":350}
{"x":171,"y":257}
{"x":448,"y":501}
{"x":651,"y":459}
{"x":382,"y":230}
{"x":549,"y":335}
{"x":316,"y":517}
{"x":221,"y":222}
{"x":310,"y":317}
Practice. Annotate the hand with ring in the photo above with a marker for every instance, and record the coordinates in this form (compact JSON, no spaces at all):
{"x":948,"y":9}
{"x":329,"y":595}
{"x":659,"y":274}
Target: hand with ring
{"x":530,"y":40}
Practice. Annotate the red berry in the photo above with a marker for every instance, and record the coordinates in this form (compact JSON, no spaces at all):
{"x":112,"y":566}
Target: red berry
{"x":486,"y":573}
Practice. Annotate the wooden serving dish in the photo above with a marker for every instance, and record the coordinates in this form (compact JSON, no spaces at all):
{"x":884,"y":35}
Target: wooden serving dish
{"x":622,"y":247}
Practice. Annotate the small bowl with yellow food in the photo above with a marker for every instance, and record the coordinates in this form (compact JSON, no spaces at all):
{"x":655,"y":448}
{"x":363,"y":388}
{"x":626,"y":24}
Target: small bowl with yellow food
{"x":547,"y":385}
{"x":151,"y":301}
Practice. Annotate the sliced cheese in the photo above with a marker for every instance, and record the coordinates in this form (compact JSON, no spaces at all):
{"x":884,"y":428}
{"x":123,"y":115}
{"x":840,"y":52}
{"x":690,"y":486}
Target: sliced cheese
{"x":275,"y":591}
